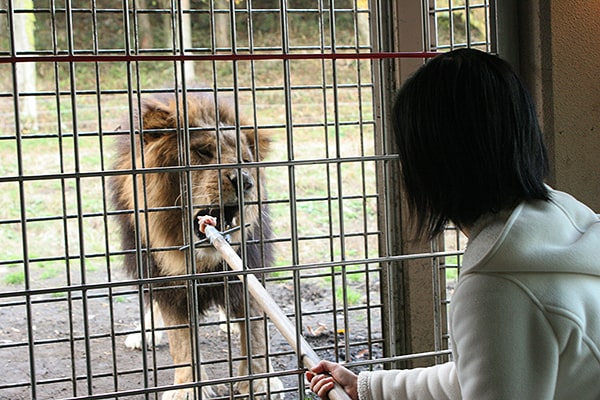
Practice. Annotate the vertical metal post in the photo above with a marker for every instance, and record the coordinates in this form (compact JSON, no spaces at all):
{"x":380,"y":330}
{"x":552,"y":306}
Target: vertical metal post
{"x":407,"y":286}
{"x":505,"y":30}
{"x":385,"y":78}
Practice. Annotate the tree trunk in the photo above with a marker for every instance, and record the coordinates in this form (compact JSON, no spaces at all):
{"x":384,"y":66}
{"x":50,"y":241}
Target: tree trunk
{"x":222,"y":25}
{"x":146,"y":39}
{"x":190,"y":74}
{"x":24,"y":31}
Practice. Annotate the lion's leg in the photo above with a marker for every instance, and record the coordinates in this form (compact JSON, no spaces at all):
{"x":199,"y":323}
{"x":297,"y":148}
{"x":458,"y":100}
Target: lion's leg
{"x":258,"y":343}
{"x":180,"y":347}
{"x":153,"y":337}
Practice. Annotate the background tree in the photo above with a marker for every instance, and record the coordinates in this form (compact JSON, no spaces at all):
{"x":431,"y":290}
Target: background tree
{"x":23,"y":34}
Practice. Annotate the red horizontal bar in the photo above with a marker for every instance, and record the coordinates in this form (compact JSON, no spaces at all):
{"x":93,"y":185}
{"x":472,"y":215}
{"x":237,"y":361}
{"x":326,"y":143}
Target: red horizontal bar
{"x":215,"y":57}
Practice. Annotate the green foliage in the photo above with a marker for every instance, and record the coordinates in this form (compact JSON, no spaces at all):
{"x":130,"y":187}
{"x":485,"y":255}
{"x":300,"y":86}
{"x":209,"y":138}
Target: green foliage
{"x":457,"y":32}
{"x":14,"y":278}
{"x":49,"y":272}
{"x":348,"y":296}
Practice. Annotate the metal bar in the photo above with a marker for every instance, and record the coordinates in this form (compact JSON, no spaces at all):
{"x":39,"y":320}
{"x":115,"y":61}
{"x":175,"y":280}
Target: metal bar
{"x":115,"y":372}
{"x":291,"y":170}
{"x":22,"y":203}
{"x":363,"y":174}
{"x":468,"y":23}
{"x":74,"y":58}
{"x":64,"y":217}
{"x":79,"y":201}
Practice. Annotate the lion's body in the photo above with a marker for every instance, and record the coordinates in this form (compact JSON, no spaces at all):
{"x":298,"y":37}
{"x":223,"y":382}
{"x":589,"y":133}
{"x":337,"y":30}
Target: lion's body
{"x":155,"y":224}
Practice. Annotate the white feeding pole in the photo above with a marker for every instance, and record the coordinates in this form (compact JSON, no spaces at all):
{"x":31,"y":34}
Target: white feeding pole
{"x":268,"y":305}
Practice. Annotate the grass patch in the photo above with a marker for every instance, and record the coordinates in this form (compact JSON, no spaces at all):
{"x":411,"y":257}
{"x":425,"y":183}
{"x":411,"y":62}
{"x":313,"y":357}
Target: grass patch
{"x":49,"y":273}
{"x":451,"y":274}
{"x":14,"y":278}
{"x":119,"y":299}
{"x":348,"y":296}
{"x":452,"y":268}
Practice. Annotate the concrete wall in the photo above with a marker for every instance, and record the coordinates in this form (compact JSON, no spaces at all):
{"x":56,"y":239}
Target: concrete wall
{"x":559,"y":55}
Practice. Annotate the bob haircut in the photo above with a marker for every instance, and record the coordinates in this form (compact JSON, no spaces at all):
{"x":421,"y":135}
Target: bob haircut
{"x":468,"y":139}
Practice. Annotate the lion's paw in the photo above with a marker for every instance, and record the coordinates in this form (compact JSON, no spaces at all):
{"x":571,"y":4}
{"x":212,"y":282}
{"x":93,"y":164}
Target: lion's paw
{"x":134,"y":340}
{"x":263,"y":386}
{"x":181,"y":394}
{"x":188,"y":394}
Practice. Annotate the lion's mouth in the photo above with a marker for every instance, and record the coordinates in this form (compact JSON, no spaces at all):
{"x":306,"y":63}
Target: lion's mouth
{"x":227,"y":218}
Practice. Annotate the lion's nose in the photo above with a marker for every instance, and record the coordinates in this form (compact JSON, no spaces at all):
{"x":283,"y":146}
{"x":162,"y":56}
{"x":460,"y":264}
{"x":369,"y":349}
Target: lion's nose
{"x":247,"y":180}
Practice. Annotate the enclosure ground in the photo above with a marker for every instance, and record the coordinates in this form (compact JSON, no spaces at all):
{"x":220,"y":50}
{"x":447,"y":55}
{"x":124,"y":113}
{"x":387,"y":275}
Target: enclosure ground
{"x":75,"y":335}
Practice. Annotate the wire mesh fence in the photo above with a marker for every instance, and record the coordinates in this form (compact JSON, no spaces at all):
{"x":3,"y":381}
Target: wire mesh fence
{"x":129,"y":119}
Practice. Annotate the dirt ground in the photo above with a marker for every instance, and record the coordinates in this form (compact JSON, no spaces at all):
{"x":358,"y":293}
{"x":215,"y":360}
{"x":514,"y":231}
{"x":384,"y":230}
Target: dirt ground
{"x":79,"y":341}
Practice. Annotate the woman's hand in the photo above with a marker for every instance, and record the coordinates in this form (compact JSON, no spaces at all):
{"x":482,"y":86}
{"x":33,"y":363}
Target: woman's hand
{"x":323,"y":376}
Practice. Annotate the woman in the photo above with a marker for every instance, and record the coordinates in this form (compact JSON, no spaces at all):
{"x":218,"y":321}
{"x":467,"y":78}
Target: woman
{"x":525,"y":314}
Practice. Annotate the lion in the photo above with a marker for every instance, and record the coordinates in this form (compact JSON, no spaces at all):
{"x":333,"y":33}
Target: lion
{"x":154,"y":223}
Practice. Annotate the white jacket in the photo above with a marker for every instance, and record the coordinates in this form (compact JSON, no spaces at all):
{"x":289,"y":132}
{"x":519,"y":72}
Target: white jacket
{"x":525,"y":314}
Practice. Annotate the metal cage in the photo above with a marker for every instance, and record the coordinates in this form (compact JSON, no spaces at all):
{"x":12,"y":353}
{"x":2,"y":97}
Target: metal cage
{"x":75,"y":75}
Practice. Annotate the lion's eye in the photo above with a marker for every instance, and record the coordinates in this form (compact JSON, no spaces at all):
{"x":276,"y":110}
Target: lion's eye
{"x":247,"y":157}
{"x":204,"y":152}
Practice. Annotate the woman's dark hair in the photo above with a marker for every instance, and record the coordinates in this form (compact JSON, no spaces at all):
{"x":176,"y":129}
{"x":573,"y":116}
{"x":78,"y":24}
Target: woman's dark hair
{"x":469,"y":140}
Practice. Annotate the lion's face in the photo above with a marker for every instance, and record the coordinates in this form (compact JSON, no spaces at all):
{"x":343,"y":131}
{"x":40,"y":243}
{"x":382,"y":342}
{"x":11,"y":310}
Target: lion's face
{"x":223,"y":175}
{"x":226,"y":184}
